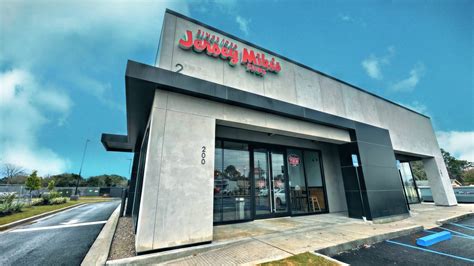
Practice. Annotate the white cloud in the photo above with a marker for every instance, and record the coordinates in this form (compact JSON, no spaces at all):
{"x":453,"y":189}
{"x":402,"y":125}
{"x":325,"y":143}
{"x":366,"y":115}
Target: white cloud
{"x":345,"y":17}
{"x":80,"y":45}
{"x":409,"y":83}
{"x":373,"y":64}
{"x":80,"y":38}
{"x":459,"y":143}
{"x":372,"y":67}
{"x":243,"y":24}
{"x":98,"y":89}
{"x":26,"y":106}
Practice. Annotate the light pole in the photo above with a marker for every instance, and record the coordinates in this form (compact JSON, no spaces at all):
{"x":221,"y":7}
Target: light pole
{"x":129,"y":166}
{"x":82,"y":163}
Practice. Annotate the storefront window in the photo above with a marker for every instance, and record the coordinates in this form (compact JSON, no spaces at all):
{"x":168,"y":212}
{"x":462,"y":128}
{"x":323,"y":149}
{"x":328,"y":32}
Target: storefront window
{"x":409,"y":183}
{"x":313,"y":171}
{"x":306,"y":182}
{"x":231,"y":182}
{"x":298,"y":191}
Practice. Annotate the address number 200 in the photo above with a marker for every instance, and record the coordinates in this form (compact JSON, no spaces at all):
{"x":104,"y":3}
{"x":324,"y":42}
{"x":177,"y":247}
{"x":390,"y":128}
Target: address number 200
{"x":203,"y":155}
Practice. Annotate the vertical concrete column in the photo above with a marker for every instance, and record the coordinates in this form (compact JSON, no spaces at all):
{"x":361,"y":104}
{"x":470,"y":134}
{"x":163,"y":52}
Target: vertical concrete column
{"x":441,"y":188}
{"x":151,"y":178}
{"x":177,"y":196}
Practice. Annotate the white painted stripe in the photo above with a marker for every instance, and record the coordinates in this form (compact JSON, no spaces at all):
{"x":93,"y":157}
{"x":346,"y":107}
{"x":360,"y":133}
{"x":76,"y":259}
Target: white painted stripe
{"x":73,"y":221}
{"x":57,"y":226}
{"x":54,"y":214}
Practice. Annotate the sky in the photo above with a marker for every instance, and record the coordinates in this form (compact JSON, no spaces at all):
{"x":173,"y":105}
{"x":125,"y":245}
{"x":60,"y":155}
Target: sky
{"x":62,"y":65}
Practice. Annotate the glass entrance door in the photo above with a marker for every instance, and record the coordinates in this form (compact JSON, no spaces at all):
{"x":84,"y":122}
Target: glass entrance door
{"x":270,"y":182}
{"x":408,"y":181}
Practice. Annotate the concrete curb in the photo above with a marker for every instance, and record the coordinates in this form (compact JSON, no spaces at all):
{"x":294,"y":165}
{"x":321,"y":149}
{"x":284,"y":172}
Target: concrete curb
{"x":99,"y":251}
{"x":156,"y":258}
{"x":329,"y":258}
{"x":290,"y":255}
{"x":336,"y":249}
{"x":33,"y":218}
{"x":454,"y":218}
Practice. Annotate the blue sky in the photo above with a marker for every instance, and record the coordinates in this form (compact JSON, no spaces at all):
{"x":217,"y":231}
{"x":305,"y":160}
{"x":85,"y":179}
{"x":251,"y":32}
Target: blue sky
{"x":62,"y":64}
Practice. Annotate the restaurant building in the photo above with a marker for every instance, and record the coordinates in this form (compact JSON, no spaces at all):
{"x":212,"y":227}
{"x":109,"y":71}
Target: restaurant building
{"x":225,"y":131}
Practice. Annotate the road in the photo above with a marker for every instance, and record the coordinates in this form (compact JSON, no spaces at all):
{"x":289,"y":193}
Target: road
{"x":61,"y":239}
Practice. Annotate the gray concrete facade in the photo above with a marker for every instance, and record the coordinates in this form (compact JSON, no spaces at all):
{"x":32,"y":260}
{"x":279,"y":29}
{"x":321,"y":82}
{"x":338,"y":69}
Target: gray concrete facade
{"x":176,"y":206}
{"x":179,"y":127}
{"x":411,"y":133}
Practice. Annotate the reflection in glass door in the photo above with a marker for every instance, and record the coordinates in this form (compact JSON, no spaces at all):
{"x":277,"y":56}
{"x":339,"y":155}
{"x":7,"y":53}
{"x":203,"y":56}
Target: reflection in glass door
{"x":409,"y":185}
{"x":262,"y":182}
{"x":270,"y":182}
{"x":279,"y":183}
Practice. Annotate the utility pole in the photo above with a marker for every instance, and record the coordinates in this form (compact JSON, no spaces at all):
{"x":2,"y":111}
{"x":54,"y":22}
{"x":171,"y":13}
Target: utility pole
{"x":129,"y":166}
{"x":82,"y":163}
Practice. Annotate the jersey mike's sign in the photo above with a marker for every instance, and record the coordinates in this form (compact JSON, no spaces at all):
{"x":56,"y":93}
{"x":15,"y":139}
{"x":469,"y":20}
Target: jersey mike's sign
{"x":214,"y":46}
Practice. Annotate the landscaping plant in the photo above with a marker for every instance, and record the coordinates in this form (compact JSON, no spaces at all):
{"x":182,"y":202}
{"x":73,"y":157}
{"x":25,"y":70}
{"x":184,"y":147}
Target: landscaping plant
{"x":8,"y":205}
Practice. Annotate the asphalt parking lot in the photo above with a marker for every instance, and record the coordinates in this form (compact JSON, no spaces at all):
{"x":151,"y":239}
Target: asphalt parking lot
{"x":60,"y":239}
{"x":459,"y":250}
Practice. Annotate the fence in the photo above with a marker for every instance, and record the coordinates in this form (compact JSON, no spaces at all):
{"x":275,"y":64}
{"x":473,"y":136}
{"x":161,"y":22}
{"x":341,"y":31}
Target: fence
{"x":22,"y":191}
{"x":463,"y":194}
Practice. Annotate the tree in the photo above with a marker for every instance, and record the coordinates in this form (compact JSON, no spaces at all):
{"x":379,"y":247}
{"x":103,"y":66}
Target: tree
{"x":51,"y":185}
{"x":455,"y":167}
{"x":468,"y":176}
{"x":232,"y":172}
{"x":107,"y":181}
{"x":33,"y":182}
{"x":67,"y":180}
{"x":418,"y":170}
{"x":10,"y":170}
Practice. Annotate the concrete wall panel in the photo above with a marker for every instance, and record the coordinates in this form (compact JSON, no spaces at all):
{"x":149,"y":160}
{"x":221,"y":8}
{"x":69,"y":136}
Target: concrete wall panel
{"x":151,"y":179}
{"x":186,"y":185}
{"x":333,"y":178}
{"x":282,"y":85}
{"x":360,"y":106}
{"x":237,"y":77}
{"x":165,"y":51}
{"x":439,"y":181}
{"x":196,"y":64}
{"x":331,"y":93}
{"x":308,"y":89}
{"x":255,"y":120}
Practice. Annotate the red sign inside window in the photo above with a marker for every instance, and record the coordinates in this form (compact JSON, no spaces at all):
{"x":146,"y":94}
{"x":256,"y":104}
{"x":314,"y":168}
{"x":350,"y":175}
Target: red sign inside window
{"x":293,"y":160}
{"x":255,"y":62}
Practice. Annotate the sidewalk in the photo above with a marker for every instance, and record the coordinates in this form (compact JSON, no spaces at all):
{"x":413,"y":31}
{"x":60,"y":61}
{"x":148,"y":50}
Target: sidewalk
{"x":272,"y":239}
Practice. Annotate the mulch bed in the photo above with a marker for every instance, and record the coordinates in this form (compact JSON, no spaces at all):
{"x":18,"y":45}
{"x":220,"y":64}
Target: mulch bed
{"x":123,"y":243}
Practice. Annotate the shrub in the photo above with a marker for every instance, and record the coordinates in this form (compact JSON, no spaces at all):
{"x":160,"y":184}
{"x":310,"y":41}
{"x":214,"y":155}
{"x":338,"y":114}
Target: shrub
{"x":7,"y":204}
{"x":37,"y":201}
{"x":49,"y":196}
{"x":17,"y":206}
{"x":58,"y":200}
{"x":7,"y":198}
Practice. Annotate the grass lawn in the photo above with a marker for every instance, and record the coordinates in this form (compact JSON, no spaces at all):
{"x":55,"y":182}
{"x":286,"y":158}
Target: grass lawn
{"x":301,"y":259}
{"x":35,"y":210}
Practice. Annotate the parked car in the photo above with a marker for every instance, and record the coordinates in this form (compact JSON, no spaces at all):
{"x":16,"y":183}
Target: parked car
{"x":280,"y":196}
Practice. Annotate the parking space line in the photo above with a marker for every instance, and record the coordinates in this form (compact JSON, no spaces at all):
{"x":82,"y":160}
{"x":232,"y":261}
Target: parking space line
{"x":431,"y":251}
{"x":462,"y":226}
{"x":465,"y":237}
{"x":456,"y":232}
